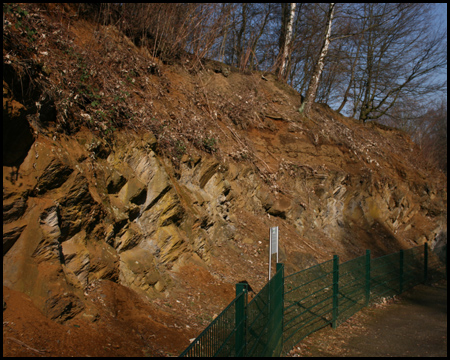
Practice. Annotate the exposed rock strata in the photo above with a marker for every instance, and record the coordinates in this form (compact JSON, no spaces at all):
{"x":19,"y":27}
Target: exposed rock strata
{"x":79,"y":209}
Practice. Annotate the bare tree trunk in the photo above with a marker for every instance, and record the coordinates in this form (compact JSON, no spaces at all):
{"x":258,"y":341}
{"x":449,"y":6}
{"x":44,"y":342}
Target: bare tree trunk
{"x":240,"y":46}
{"x":224,"y":40}
{"x":314,"y":83}
{"x":352,"y":76}
{"x":254,"y":60}
{"x":287,"y":42}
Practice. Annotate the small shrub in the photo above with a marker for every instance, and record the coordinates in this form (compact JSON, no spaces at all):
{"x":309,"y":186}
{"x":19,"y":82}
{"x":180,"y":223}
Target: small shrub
{"x":210,"y":144}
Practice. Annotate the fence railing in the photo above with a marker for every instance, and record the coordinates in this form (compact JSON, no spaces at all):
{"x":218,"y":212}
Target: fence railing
{"x":221,"y":337}
{"x":246,"y":329}
{"x":290,"y":308}
{"x":308,"y":302}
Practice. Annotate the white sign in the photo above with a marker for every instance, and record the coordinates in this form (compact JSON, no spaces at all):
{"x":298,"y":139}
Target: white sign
{"x":274,"y":240}
{"x":273,"y":245}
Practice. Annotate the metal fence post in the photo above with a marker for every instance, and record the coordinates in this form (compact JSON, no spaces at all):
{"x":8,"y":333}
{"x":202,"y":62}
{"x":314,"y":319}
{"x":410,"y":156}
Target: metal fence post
{"x":401,"y":272}
{"x":425,"y":262}
{"x":241,"y":304}
{"x":335,"y":290}
{"x":280,"y":309}
{"x":367,"y":277}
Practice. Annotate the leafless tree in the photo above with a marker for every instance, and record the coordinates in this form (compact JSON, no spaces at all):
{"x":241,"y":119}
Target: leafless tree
{"x":398,"y":54}
{"x":314,"y":83}
{"x":287,"y":22}
{"x":373,"y":58}
{"x":429,"y":131}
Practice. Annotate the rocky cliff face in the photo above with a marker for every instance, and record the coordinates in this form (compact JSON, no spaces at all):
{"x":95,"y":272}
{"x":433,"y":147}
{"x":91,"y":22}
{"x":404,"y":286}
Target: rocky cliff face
{"x":80,"y":208}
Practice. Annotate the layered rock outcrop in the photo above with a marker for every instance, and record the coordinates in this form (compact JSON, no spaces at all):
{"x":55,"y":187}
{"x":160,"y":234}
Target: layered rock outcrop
{"x":228,"y":157}
{"x":72,"y":217}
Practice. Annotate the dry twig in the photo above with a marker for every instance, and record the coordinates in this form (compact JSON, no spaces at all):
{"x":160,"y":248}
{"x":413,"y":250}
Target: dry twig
{"x":42,"y":352}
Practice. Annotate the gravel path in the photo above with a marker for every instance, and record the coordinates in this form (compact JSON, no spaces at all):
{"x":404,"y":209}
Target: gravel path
{"x":414,"y":324}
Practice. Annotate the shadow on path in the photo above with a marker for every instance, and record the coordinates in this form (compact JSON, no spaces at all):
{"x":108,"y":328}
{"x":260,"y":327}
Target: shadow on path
{"x":414,"y":324}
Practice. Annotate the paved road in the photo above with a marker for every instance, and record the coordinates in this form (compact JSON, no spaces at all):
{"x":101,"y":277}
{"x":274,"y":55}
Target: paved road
{"x":413,"y":325}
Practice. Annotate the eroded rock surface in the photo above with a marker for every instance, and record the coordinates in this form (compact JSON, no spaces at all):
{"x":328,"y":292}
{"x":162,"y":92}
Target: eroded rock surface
{"x":131,"y":218}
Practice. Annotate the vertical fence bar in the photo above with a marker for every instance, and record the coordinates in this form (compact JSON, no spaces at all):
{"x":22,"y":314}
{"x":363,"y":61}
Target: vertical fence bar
{"x":401,"y":272}
{"x":425,"y":262}
{"x":270,"y":253}
{"x":367,"y":277}
{"x":335,"y":290}
{"x":280,"y":309}
{"x":240,"y":319}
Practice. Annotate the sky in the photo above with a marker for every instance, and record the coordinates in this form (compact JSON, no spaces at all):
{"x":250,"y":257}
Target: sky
{"x":441,"y":9}
{"x":441,"y":12}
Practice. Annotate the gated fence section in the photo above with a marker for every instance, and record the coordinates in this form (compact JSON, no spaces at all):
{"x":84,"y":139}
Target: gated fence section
{"x":219,"y":338}
{"x":246,"y":329}
{"x":290,"y":308}
{"x":264,"y":319}
{"x":308,"y":302}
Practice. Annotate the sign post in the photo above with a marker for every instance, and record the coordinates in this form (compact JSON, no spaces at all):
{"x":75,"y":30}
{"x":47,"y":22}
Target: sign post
{"x":273,"y":245}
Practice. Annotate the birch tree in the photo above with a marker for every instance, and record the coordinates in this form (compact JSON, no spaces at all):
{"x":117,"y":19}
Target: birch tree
{"x":286,"y":37}
{"x":318,"y":68}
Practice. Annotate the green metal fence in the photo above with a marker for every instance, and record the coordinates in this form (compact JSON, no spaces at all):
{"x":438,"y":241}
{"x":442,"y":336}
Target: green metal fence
{"x":412,"y":269}
{"x":308,"y":302}
{"x":246,"y":329}
{"x":264,"y":319}
{"x":384,"y":276}
{"x":290,"y":308}
{"x":353,"y":287}
{"x":436,"y":264}
{"x":219,"y":338}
